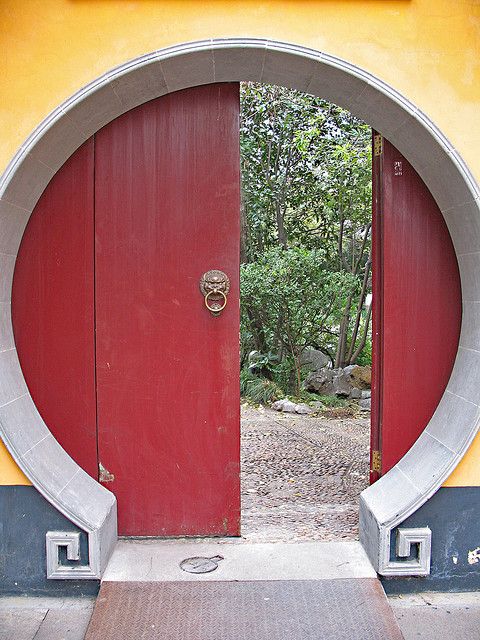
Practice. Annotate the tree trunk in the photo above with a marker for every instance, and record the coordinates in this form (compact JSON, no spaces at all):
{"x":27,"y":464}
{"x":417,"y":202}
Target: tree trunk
{"x":282,"y":236}
{"x":244,"y":257}
{"x":343,"y":334}
{"x":363,"y":340}
{"x":361,"y":302}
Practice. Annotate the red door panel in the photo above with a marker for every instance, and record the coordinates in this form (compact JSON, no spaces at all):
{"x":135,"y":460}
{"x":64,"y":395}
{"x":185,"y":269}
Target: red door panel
{"x":52,"y":308}
{"x":417,"y":306}
{"x":167,"y":210}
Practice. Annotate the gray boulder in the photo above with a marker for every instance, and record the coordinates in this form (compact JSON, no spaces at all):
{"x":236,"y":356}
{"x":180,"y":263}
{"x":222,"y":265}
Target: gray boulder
{"x":287,"y":406}
{"x":365,"y":404}
{"x":342,"y":385}
{"x":320,"y":382}
{"x":351,"y":382}
{"x":313,"y":359}
{"x":360,"y":377}
{"x":303,"y":409}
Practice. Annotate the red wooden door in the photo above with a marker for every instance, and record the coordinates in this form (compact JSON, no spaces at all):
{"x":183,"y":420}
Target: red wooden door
{"x":147,"y":206}
{"x":166,"y":211}
{"x":417,"y":305}
{"x":53,"y":308}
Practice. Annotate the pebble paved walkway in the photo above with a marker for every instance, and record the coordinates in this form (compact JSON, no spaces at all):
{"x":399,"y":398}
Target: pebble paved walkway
{"x":302,"y":475}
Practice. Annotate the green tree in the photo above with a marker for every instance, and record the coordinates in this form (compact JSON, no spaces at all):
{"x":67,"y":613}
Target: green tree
{"x":294,"y":297}
{"x":306,"y":184}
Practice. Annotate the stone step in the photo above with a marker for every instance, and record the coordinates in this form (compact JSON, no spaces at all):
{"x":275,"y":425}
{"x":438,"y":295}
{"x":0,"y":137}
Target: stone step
{"x":153,"y":560}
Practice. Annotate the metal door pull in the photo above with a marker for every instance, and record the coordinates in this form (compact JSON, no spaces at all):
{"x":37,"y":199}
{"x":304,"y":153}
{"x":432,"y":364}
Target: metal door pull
{"x":215,"y":286}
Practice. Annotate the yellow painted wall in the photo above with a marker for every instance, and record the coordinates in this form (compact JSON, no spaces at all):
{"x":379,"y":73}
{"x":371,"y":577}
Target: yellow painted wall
{"x":9,"y":471}
{"x":467,"y":472}
{"x":427,"y":49}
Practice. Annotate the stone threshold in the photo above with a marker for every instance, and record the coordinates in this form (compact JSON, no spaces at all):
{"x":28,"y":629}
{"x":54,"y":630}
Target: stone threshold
{"x":158,"y":560}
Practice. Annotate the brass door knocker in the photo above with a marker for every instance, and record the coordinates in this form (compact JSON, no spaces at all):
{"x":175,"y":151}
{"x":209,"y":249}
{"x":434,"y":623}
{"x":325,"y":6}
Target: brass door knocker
{"x":215,"y":286}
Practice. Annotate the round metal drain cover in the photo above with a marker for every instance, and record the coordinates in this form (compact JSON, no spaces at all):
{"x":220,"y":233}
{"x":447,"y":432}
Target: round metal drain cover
{"x":200,"y":565}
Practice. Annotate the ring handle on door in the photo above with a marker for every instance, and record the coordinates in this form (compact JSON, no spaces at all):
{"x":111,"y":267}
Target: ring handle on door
{"x":215,"y":285}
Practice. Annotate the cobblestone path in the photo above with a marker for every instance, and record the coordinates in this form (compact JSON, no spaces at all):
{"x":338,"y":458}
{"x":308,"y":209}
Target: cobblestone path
{"x":302,"y":475}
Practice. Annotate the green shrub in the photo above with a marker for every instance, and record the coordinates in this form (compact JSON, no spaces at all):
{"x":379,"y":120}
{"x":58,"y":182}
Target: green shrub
{"x":289,"y":298}
{"x":259,"y":390}
{"x":332,"y":401}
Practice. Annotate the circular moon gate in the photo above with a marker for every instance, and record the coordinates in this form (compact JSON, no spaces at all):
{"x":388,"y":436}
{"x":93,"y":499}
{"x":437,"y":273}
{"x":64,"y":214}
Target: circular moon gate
{"x":409,"y":484}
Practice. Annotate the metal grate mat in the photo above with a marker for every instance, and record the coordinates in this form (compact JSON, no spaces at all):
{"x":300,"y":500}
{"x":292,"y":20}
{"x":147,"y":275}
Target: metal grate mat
{"x":345,"y":609}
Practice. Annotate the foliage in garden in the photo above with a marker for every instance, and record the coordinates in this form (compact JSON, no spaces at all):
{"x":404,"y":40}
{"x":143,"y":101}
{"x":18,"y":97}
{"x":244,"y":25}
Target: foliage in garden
{"x":306,"y":220}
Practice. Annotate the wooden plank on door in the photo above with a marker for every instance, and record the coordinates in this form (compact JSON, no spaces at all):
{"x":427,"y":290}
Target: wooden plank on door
{"x":53,"y":311}
{"x":167,"y":210}
{"x":418,"y":305}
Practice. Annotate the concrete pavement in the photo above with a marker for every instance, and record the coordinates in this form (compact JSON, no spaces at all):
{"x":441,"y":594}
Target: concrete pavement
{"x":429,"y":616}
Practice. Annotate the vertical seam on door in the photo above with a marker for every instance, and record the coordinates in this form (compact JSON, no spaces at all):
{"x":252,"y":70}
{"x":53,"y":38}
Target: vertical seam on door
{"x":95,"y":303}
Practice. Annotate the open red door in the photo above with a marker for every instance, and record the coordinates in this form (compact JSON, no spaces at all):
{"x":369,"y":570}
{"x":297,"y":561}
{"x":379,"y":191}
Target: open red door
{"x":416,"y":306}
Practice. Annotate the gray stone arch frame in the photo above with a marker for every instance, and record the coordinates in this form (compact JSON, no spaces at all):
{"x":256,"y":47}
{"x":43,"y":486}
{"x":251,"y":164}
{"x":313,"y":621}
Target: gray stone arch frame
{"x":399,"y":493}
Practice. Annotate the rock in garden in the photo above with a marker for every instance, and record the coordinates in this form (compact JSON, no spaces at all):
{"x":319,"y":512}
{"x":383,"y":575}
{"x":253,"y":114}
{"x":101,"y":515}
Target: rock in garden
{"x":341,"y":383}
{"x":287,"y":406}
{"x":313,"y":359}
{"x":365,"y":404}
{"x":320,"y":382}
{"x":284,"y":405}
{"x":303,"y":408}
{"x":360,"y":377}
